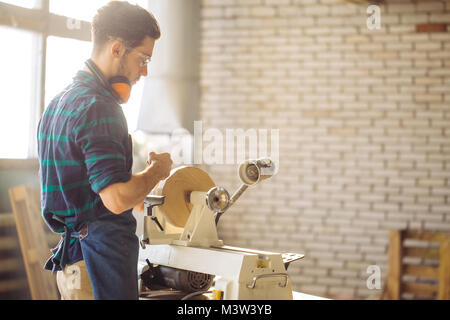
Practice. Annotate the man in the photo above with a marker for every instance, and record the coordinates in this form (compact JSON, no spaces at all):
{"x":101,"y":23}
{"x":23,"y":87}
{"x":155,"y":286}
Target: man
{"x":85,"y":153}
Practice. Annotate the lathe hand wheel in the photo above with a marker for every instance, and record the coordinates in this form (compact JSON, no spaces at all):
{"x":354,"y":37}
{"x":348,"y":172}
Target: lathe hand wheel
{"x":176,"y":187}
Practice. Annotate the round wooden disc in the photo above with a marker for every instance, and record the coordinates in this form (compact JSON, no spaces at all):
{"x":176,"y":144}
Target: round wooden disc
{"x":175,"y":188}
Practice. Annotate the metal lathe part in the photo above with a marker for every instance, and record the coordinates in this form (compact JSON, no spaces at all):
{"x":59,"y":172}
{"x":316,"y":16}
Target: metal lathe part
{"x":253,"y":171}
{"x":218,"y":199}
{"x":248,"y":173}
{"x":230,"y":201}
{"x":233,"y":199}
{"x":237,"y":194}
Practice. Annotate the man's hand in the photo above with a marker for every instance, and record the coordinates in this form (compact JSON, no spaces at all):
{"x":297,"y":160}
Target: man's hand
{"x":162,"y":164}
{"x":123,"y":196}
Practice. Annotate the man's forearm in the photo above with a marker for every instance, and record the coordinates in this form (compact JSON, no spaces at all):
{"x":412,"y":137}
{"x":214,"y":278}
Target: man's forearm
{"x":123,"y":196}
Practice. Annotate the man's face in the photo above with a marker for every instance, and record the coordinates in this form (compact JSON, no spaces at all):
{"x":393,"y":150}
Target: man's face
{"x":132,"y":65}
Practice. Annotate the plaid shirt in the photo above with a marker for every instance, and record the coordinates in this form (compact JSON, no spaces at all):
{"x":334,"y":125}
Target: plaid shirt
{"x":83,"y":146}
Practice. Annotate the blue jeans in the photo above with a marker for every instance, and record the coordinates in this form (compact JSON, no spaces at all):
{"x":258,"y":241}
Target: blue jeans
{"x":110,"y":251}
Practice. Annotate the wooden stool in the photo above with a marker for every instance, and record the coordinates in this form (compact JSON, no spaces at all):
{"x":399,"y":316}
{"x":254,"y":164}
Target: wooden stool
{"x":26,"y":206}
{"x":419,"y":265}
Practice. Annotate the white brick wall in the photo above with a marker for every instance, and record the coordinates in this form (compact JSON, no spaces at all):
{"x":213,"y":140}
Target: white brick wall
{"x":364,"y":128}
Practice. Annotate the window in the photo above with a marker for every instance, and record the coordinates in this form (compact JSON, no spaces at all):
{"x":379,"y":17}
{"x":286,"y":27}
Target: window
{"x":131,"y":108}
{"x":63,"y":49}
{"x":80,"y":10}
{"x":23,"y":3}
{"x":64,"y":58}
{"x":19,"y":85}
{"x":83,"y":10}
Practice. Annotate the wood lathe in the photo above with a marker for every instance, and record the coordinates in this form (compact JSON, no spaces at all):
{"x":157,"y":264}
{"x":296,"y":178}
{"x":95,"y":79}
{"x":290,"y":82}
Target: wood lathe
{"x":180,"y":247}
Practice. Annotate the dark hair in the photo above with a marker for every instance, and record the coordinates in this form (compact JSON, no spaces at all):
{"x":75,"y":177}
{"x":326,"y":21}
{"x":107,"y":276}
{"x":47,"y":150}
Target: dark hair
{"x":120,"y":19}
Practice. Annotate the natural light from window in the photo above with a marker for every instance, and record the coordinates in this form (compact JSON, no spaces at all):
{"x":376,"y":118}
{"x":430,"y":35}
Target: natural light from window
{"x":22,"y":3}
{"x":64,"y":58}
{"x":17,"y":83}
{"x":83,"y":10}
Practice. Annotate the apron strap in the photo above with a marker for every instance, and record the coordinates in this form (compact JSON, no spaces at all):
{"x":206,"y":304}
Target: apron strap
{"x":59,"y":259}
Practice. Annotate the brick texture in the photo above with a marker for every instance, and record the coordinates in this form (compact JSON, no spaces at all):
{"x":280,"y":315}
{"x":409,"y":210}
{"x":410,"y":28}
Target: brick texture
{"x":364,"y":124}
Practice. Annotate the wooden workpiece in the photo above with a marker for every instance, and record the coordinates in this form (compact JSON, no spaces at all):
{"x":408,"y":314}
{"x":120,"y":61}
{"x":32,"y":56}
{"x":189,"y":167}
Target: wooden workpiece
{"x":176,"y":189}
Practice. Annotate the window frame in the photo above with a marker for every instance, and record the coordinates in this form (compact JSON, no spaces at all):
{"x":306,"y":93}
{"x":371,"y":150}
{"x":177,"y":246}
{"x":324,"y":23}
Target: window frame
{"x":45,"y":24}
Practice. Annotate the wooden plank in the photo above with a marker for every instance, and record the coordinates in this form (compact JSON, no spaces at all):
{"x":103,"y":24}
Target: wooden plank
{"x":42,"y":21}
{"x":421,"y":289}
{"x":421,"y":271}
{"x":23,"y":18}
{"x":10,"y":264}
{"x":14,"y":164}
{"x":394,"y":276}
{"x":426,"y":253}
{"x":7,"y":220}
{"x":8,"y":243}
{"x":425,"y":235}
{"x":12,"y":285}
{"x":59,"y":26}
{"x":35,"y":251}
{"x":444,"y":271}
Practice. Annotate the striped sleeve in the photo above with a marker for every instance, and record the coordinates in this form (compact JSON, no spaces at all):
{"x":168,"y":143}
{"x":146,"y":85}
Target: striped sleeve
{"x":101,"y":134}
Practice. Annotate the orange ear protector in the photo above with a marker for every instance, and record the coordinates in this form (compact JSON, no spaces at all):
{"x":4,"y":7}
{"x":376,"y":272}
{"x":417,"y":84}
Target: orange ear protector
{"x":119,"y":86}
{"x":122,"y":86}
